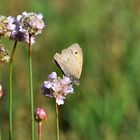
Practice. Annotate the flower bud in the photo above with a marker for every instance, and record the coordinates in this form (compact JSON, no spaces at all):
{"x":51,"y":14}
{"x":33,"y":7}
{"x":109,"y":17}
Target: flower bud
{"x":1,"y":91}
{"x":40,"y":115}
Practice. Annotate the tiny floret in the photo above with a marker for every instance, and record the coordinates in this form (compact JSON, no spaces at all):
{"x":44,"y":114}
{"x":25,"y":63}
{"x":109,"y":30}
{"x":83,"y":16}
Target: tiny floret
{"x":53,"y":75}
{"x":57,"y":87}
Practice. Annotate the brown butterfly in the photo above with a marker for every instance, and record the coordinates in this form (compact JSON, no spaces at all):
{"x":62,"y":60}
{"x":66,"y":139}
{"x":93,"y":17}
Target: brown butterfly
{"x":70,"y":61}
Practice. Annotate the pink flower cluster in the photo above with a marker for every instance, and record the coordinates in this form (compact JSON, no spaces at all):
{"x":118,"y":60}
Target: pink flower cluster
{"x":57,"y":87}
{"x":21,"y":27}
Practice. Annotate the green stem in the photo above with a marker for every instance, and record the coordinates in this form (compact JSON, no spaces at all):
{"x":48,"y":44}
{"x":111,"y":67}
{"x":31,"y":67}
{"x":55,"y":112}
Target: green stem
{"x":31,"y":87}
{"x":57,"y":121}
{"x":0,"y":134}
{"x":11,"y":92}
{"x":0,"y":125}
{"x":39,"y":131}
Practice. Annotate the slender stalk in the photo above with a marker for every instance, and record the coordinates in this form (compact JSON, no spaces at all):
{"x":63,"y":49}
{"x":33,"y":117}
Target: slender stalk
{"x":0,"y":134}
{"x":11,"y":91}
{"x":31,"y":88}
{"x":1,"y":93}
{"x":0,"y":125}
{"x":57,"y":121}
{"x":39,"y":131}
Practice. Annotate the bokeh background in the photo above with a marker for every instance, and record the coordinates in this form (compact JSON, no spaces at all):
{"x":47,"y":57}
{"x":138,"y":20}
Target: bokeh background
{"x":106,"y":105}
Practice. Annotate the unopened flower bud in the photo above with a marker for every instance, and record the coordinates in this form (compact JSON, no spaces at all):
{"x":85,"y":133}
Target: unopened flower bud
{"x":40,"y":115}
{"x":1,"y":91}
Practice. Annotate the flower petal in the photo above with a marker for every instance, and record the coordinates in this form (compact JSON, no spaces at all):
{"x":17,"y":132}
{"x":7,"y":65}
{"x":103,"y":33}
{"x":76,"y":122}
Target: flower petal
{"x":53,"y":75}
{"x":48,"y":84}
{"x":60,"y":100}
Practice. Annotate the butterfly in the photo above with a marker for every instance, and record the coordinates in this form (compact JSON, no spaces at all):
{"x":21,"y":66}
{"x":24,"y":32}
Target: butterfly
{"x":70,"y":61}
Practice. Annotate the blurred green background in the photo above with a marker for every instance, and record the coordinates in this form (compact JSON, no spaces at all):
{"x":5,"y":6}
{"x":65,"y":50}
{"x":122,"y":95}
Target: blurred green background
{"x":106,"y":105}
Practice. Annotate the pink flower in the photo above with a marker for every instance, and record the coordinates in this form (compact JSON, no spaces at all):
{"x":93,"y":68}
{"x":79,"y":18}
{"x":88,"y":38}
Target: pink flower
{"x":57,"y":87}
{"x":27,"y":24}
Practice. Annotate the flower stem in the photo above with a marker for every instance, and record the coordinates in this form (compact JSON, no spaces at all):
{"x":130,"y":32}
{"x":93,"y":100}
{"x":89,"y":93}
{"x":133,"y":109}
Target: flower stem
{"x":39,"y":131}
{"x":0,"y":134}
{"x":57,"y":121}
{"x":0,"y":125}
{"x":31,"y":87}
{"x":11,"y":91}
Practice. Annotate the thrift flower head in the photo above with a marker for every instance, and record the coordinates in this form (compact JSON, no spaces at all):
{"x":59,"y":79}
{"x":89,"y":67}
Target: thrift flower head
{"x":57,"y":87}
{"x":1,"y":91}
{"x":28,"y":24}
{"x":40,"y":115}
{"x":6,"y":25}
